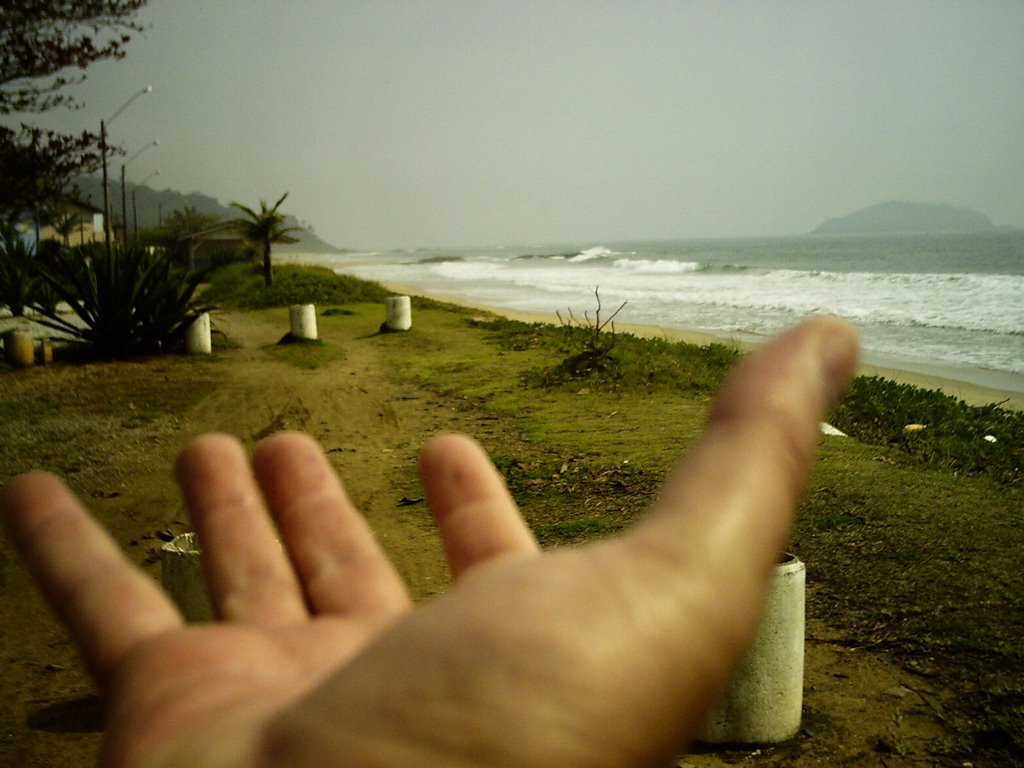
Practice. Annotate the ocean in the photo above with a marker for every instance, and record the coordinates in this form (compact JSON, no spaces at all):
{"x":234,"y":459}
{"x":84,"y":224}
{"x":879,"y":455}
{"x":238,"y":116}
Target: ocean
{"x":952,"y":305}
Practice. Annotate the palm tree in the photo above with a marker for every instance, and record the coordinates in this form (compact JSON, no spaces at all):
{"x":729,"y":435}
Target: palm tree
{"x":263,"y":228}
{"x":64,"y":223}
{"x":184,"y":230}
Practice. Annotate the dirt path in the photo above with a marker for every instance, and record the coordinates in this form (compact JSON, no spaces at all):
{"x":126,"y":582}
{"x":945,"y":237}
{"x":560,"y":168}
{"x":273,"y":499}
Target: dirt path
{"x":860,"y":708}
{"x":370,"y":427}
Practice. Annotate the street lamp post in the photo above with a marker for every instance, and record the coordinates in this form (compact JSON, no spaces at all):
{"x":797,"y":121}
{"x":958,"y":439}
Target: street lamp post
{"x":103,"y":154}
{"x":124,"y":192}
{"x":135,"y":208}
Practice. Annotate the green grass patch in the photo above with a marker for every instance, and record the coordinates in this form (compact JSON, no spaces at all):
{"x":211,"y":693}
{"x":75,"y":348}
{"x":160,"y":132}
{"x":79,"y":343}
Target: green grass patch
{"x":308,"y":354}
{"x":239,"y":286}
{"x":618,"y":363}
{"x":967,"y":439}
{"x":577,"y":498}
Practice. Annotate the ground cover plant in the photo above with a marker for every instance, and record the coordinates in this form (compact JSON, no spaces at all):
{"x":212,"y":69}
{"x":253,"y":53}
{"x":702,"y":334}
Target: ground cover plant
{"x":945,"y":431}
{"x":238,"y":286}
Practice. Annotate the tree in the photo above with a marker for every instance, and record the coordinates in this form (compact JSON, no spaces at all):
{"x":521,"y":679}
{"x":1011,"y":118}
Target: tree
{"x":42,"y":40}
{"x":46,"y":45}
{"x":64,"y":224}
{"x":182,"y":226}
{"x":39,"y":167}
{"x":263,"y":228}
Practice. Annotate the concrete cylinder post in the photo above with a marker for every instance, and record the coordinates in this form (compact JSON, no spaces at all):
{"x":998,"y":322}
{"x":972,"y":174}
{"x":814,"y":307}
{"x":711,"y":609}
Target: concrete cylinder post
{"x":303,"y":321}
{"x":399,"y":313}
{"x":197,"y":337}
{"x":182,"y":577}
{"x":763,"y":702}
{"x":19,"y":349}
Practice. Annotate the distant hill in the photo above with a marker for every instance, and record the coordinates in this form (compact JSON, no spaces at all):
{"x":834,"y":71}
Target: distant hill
{"x":905,"y":217}
{"x":155,"y":206}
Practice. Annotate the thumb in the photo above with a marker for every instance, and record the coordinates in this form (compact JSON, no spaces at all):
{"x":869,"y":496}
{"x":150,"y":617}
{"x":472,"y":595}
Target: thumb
{"x":723,"y":517}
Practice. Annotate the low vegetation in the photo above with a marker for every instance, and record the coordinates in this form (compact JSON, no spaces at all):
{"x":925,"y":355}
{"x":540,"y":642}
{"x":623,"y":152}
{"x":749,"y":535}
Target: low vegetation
{"x":238,"y":286}
{"x":125,"y":301}
{"x":20,"y":287}
{"x":935,"y":429}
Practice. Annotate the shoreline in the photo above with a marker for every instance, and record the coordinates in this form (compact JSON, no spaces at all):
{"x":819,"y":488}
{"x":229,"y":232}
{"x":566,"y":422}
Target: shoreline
{"x":987,"y":387}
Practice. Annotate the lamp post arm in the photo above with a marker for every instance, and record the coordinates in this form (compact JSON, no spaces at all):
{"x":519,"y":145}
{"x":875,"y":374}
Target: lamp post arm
{"x":124,"y":106}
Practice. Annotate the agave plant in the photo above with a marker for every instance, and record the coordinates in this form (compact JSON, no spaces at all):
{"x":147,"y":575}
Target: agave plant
{"x":127,"y":302}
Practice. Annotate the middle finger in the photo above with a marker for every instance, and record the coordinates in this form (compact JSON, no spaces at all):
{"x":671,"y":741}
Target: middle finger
{"x":339,"y":561}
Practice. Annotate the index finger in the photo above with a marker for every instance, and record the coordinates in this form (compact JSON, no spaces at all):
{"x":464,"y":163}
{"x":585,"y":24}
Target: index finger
{"x":107,"y":603}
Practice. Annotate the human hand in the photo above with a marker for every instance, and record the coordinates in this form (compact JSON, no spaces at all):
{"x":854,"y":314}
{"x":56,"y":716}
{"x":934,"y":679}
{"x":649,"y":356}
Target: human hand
{"x":605,"y":655}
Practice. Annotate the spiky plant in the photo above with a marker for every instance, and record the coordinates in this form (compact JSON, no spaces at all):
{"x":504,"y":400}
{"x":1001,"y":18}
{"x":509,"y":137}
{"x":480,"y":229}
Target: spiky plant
{"x":128,"y":301}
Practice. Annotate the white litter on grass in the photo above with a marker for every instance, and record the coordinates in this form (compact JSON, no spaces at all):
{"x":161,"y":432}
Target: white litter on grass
{"x":991,"y":439}
{"x":828,"y":429}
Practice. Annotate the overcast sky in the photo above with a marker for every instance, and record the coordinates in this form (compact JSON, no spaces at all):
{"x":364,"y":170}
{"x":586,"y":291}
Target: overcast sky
{"x":460,"y":123}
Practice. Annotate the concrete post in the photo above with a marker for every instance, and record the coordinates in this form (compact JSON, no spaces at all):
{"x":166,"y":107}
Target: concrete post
{"x":197,"y":337}
{"x":182,"y":577}
{"x":399,"y":313}
{"x":19,"y":349}
{"x":763,"y":702}
{"x":303,"y":321}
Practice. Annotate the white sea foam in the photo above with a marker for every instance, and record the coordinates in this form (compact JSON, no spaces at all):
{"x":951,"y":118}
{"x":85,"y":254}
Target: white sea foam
{"x":656,"y":266}
{"x":953,"y":316}
{"x":598,"y":252}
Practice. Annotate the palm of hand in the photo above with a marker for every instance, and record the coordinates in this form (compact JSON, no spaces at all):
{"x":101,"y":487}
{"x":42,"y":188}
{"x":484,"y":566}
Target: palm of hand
{"x":199,"y":696}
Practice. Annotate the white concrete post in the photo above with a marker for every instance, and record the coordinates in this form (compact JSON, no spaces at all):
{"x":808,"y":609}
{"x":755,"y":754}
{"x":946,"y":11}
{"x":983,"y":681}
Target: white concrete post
{"x":182,"y":577}
{"x":399,"y":313}
{"x":197,"y":336}
{"x":763,"y":702}
{"x":303,"y":321}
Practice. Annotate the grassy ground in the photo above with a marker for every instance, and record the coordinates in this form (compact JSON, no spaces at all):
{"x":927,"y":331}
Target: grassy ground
{"x":912,"y":540}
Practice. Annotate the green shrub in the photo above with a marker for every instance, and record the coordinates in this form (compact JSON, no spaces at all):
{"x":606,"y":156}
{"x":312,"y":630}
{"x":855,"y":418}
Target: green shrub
{"x":877,"y":411}
{"x":127,"y":301}
{"x":632,"y":364}
{"x":239,"y":287}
